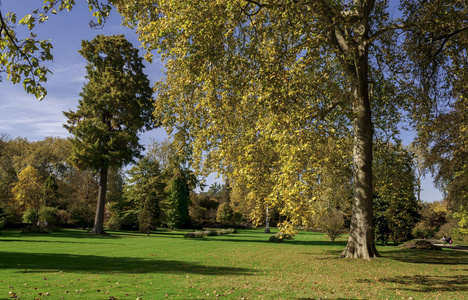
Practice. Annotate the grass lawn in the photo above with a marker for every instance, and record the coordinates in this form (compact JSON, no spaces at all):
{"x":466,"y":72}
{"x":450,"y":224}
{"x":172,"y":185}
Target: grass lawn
{"x":73,"y":264}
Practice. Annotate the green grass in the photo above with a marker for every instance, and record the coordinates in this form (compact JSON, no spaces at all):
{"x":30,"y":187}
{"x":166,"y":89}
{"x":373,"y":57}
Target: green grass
{"x":73,"y":264}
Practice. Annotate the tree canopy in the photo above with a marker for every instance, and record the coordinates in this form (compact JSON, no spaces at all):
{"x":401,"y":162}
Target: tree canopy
{"x":295,"y":74}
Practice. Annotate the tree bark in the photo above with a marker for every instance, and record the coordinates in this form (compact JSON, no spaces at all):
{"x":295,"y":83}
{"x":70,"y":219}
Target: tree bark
{"x":361,"y":242}
{"x":98,"y":227}
{"x":361,"y":236}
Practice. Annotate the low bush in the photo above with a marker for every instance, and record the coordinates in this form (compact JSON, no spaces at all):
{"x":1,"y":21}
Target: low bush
{"x":275,"y":239}
{"x":422,"y":232}
{"x":200,"y":234}
{"x":211,"y":233}
{"x":279,"y":237}
{"x":195,"y":234}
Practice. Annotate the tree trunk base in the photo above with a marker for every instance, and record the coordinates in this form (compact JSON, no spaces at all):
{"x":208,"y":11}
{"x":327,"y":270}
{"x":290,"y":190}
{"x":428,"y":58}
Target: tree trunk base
{"x":360,"y":249}
{"x":97,"y":230}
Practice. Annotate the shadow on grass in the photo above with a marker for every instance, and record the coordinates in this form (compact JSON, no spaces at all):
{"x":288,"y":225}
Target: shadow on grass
{"x":47,"y":262}
{"x":75,"y":234}
{"x":239,"y":238}
{"x":435,"y":257}
{"x":426,"y":283}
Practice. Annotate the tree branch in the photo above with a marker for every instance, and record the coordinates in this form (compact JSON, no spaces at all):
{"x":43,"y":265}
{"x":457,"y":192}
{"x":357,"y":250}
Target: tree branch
{"x":4,"y":27}
{"x":446,"y":37}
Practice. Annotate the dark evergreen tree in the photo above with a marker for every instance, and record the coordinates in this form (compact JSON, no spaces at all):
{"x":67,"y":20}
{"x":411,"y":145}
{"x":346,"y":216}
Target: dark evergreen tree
{"x":50,"y":191}
{"x":178,"y":199}
{"x":396,"y":209}
{"x":144,"y":193}
{"x":115,"y":106}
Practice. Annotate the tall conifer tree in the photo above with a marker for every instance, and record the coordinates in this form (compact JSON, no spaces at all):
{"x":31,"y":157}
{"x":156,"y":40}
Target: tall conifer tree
{"x":115,"y":105}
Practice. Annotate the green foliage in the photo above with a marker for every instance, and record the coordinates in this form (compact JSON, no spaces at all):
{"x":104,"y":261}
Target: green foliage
{"x":433,"y":217}
{"x":48,"y":214}
{"x":462,"y":231}
{"x":396,"y":210}
{"x":2,"y":217}
{"x":144,"y":193}
{"x":446,"y":144}
{"x":116,"y":104}
{"x":421,"y":232}
{"x":50,"y":191}
{"x":176,"y":205}
{"x":23,"y":58}
{"x":84,"y":192}
{"x":203,"y":209}
{"x":30,"y":216}
{"x":225,"y":213}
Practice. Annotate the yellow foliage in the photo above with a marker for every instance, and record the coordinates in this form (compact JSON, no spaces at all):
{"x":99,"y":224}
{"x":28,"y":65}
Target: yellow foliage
{"x":27,"y":190}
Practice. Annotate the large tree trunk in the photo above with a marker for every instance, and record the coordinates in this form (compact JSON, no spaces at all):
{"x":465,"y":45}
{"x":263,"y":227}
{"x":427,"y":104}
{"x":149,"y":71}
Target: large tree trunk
{"x":361,"y":236}
{"x":99,"y":219}
{"x":353,"y":50}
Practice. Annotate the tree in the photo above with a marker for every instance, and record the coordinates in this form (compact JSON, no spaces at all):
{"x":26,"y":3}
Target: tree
{"x":446,"y":142}
{"x":27,"y":190}
{"x":49,"y":191}
{"x":203,"y":209}
{"x":225,"y":213}
{"x":83,"y":197}
{"x":294,"y":71}
{"x":145,"y":192}
{"x":176,"y":208}
{"x":396,"y":209}
{"x":115,"y":106}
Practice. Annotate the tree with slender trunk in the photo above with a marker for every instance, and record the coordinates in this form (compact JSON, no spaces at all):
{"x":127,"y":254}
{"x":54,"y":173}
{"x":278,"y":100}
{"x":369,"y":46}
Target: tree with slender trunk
{"x":116,"y":104}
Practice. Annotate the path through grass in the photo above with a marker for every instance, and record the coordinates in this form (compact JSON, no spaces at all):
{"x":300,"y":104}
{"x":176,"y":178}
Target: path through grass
{"x":73,"y":264}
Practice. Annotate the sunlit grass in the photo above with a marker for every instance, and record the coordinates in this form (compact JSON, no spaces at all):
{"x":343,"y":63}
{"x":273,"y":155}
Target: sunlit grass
{"x":127,"y":265}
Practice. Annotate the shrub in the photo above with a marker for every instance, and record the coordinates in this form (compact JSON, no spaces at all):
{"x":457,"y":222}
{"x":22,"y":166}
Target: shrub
{"x":29,"y":216}
{"x":332,"y":223}
{"x":275,"y":239}
{"x":196,"y":234}
{"x":63,"y":217}
{"x":10,"y":215}
{"x":48,"y":214}
{"x":280,"y":236}
{"x":200,"y":234}
{"x":446,"y":229}
{"x":211,"y":233}
{"x":422,"y":232}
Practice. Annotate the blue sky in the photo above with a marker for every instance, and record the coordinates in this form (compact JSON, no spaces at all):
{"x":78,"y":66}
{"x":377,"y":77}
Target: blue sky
{"x":22,"y":115}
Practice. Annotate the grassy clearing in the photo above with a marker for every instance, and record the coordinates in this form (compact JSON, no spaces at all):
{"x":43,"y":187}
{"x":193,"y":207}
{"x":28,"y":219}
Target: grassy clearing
{"x":73,"y":264}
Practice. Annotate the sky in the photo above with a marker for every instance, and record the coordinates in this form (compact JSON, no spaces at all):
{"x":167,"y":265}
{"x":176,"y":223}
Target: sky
{"x":22,"y":115}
